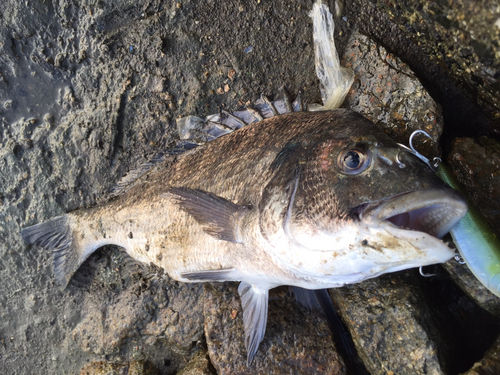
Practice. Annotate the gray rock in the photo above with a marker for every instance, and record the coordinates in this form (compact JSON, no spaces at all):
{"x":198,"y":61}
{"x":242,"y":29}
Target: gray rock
{"x":113,"y":368}
{"x":451,"y":46}
{"x":89,"y":90}
{"x":404,"y":323}
{"x":489,"y":364}
{"x":199,"y":365}
{"x":296,"y":341}
{"x":125,"y":315}
{"x":386,"y":91}
{"x":383,"y":317}
{"x":464,"y":278}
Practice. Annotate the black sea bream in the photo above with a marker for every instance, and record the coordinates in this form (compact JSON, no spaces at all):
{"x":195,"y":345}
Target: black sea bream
{"x":308,"y":199}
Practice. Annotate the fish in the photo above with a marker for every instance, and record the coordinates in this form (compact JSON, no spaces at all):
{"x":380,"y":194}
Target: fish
{"x":312,"y":200}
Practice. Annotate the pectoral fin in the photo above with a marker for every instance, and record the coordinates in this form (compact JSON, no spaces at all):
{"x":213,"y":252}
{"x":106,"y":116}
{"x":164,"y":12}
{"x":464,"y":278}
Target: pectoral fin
{"x":225,"y":274}
{"x":254,"y":302}
{"x":218,"y":216}
{"x":306,"y":297}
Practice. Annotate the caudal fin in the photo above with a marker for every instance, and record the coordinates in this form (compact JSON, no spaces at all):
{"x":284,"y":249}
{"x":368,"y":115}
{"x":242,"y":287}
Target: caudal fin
{"x":57,"y":236}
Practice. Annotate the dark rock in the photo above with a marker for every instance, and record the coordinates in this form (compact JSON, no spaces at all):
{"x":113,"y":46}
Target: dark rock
{"x":383,"y":316}
{"x":404,"y":323}
{"x":476,"y":164}
{"x":464,"y":278}
{"x":387,"y":92}
{"x":113,"y":368}
{"x":296,"y":340}
{"x":426,"y":37}
{"x":199,"y":365}
{"x":490,"y":364}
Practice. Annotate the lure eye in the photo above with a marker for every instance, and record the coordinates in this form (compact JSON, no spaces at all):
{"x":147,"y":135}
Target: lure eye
{"x":353,"y":160}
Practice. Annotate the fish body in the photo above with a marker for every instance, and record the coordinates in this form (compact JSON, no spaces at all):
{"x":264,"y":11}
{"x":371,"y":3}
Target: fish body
{"x":313,"y":200}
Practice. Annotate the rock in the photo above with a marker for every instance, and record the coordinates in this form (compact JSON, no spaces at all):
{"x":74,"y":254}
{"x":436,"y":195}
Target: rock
{"x":296,"y":340}
{"x":380,"y":314}
{"x":126,"y":315}
{"x":112,"y":368}
{"x":199,"y":365}
{"x":386,"y":91}
{"x":464,"y":278}
{"x":489,"y":364}
{"x":452,"y":48}
{"x":404,"y":323}
{"x":476,"y":164}
{"x":102,"y":75}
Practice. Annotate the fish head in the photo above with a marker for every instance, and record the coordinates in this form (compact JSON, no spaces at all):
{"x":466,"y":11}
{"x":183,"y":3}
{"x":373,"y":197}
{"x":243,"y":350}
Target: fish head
{"x":360,"y":205}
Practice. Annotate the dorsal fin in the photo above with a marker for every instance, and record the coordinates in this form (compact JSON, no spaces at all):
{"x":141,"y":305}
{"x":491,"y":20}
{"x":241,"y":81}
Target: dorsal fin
{"x":134,"y":175}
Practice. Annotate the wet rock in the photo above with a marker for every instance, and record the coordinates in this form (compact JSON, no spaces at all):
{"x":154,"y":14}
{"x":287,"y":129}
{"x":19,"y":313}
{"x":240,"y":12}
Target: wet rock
{"x":489,"y":364}
{"x":464,"y":278}
{"x":403,"y":323}
{"x":451,"y":46}
{"x":381,"y":315}
{"x":125,"y":315}
{"x":476,"y":164}
{"x":118,"y":61}
{"x":296,"y":340}
{"x":112,"y":368}
{"x":386,"y":91}
{"x":199,"y":365}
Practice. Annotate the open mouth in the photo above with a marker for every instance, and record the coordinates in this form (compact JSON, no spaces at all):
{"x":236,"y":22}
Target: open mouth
{"x":432,"y":211}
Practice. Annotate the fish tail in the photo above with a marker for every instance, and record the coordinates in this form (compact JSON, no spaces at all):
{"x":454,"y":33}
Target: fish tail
{"x":56,"y":235}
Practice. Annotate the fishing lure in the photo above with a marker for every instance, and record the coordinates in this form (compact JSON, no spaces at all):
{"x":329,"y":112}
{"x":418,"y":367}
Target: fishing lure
{"x":476,"y":241}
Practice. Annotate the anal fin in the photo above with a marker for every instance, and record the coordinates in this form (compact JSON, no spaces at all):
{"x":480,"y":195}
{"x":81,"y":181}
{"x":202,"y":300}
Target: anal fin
{"x":254,"y":302}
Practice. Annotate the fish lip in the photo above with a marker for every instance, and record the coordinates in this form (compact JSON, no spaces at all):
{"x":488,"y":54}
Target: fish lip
{"x":432,"y":211}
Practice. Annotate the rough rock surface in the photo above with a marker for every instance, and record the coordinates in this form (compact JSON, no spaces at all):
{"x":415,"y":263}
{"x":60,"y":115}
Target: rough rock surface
{"x":476,"y":164}
{"x":403,"y":324}
{"x":489,"y":364}
{"x":451,"y":46}
{"x":464,"y":278}
{"x":386,"y":91}
{"x":297,"y":341}
{"x":111,"y":368}
{"x":199,"y":365}
{"x":89,"y":90}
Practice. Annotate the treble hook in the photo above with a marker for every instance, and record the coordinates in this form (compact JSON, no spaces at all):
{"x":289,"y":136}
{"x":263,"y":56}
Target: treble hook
{"x":459,"y":258}
{"x":425,"y":274}
{"x":435,"y":161}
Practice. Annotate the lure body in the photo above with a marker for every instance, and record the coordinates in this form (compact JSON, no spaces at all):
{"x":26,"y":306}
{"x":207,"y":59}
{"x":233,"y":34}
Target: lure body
{"x":476,"y":241}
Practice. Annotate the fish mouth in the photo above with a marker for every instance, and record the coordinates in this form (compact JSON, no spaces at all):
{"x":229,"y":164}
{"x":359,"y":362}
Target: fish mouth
{"x":431,"y":211}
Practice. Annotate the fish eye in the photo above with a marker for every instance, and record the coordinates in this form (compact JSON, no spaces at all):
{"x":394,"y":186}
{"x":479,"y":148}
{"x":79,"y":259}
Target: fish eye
{"x":353,"y":160}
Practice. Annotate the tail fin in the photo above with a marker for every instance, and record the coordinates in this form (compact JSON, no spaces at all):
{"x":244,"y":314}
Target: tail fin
{"x":57,"y":236}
